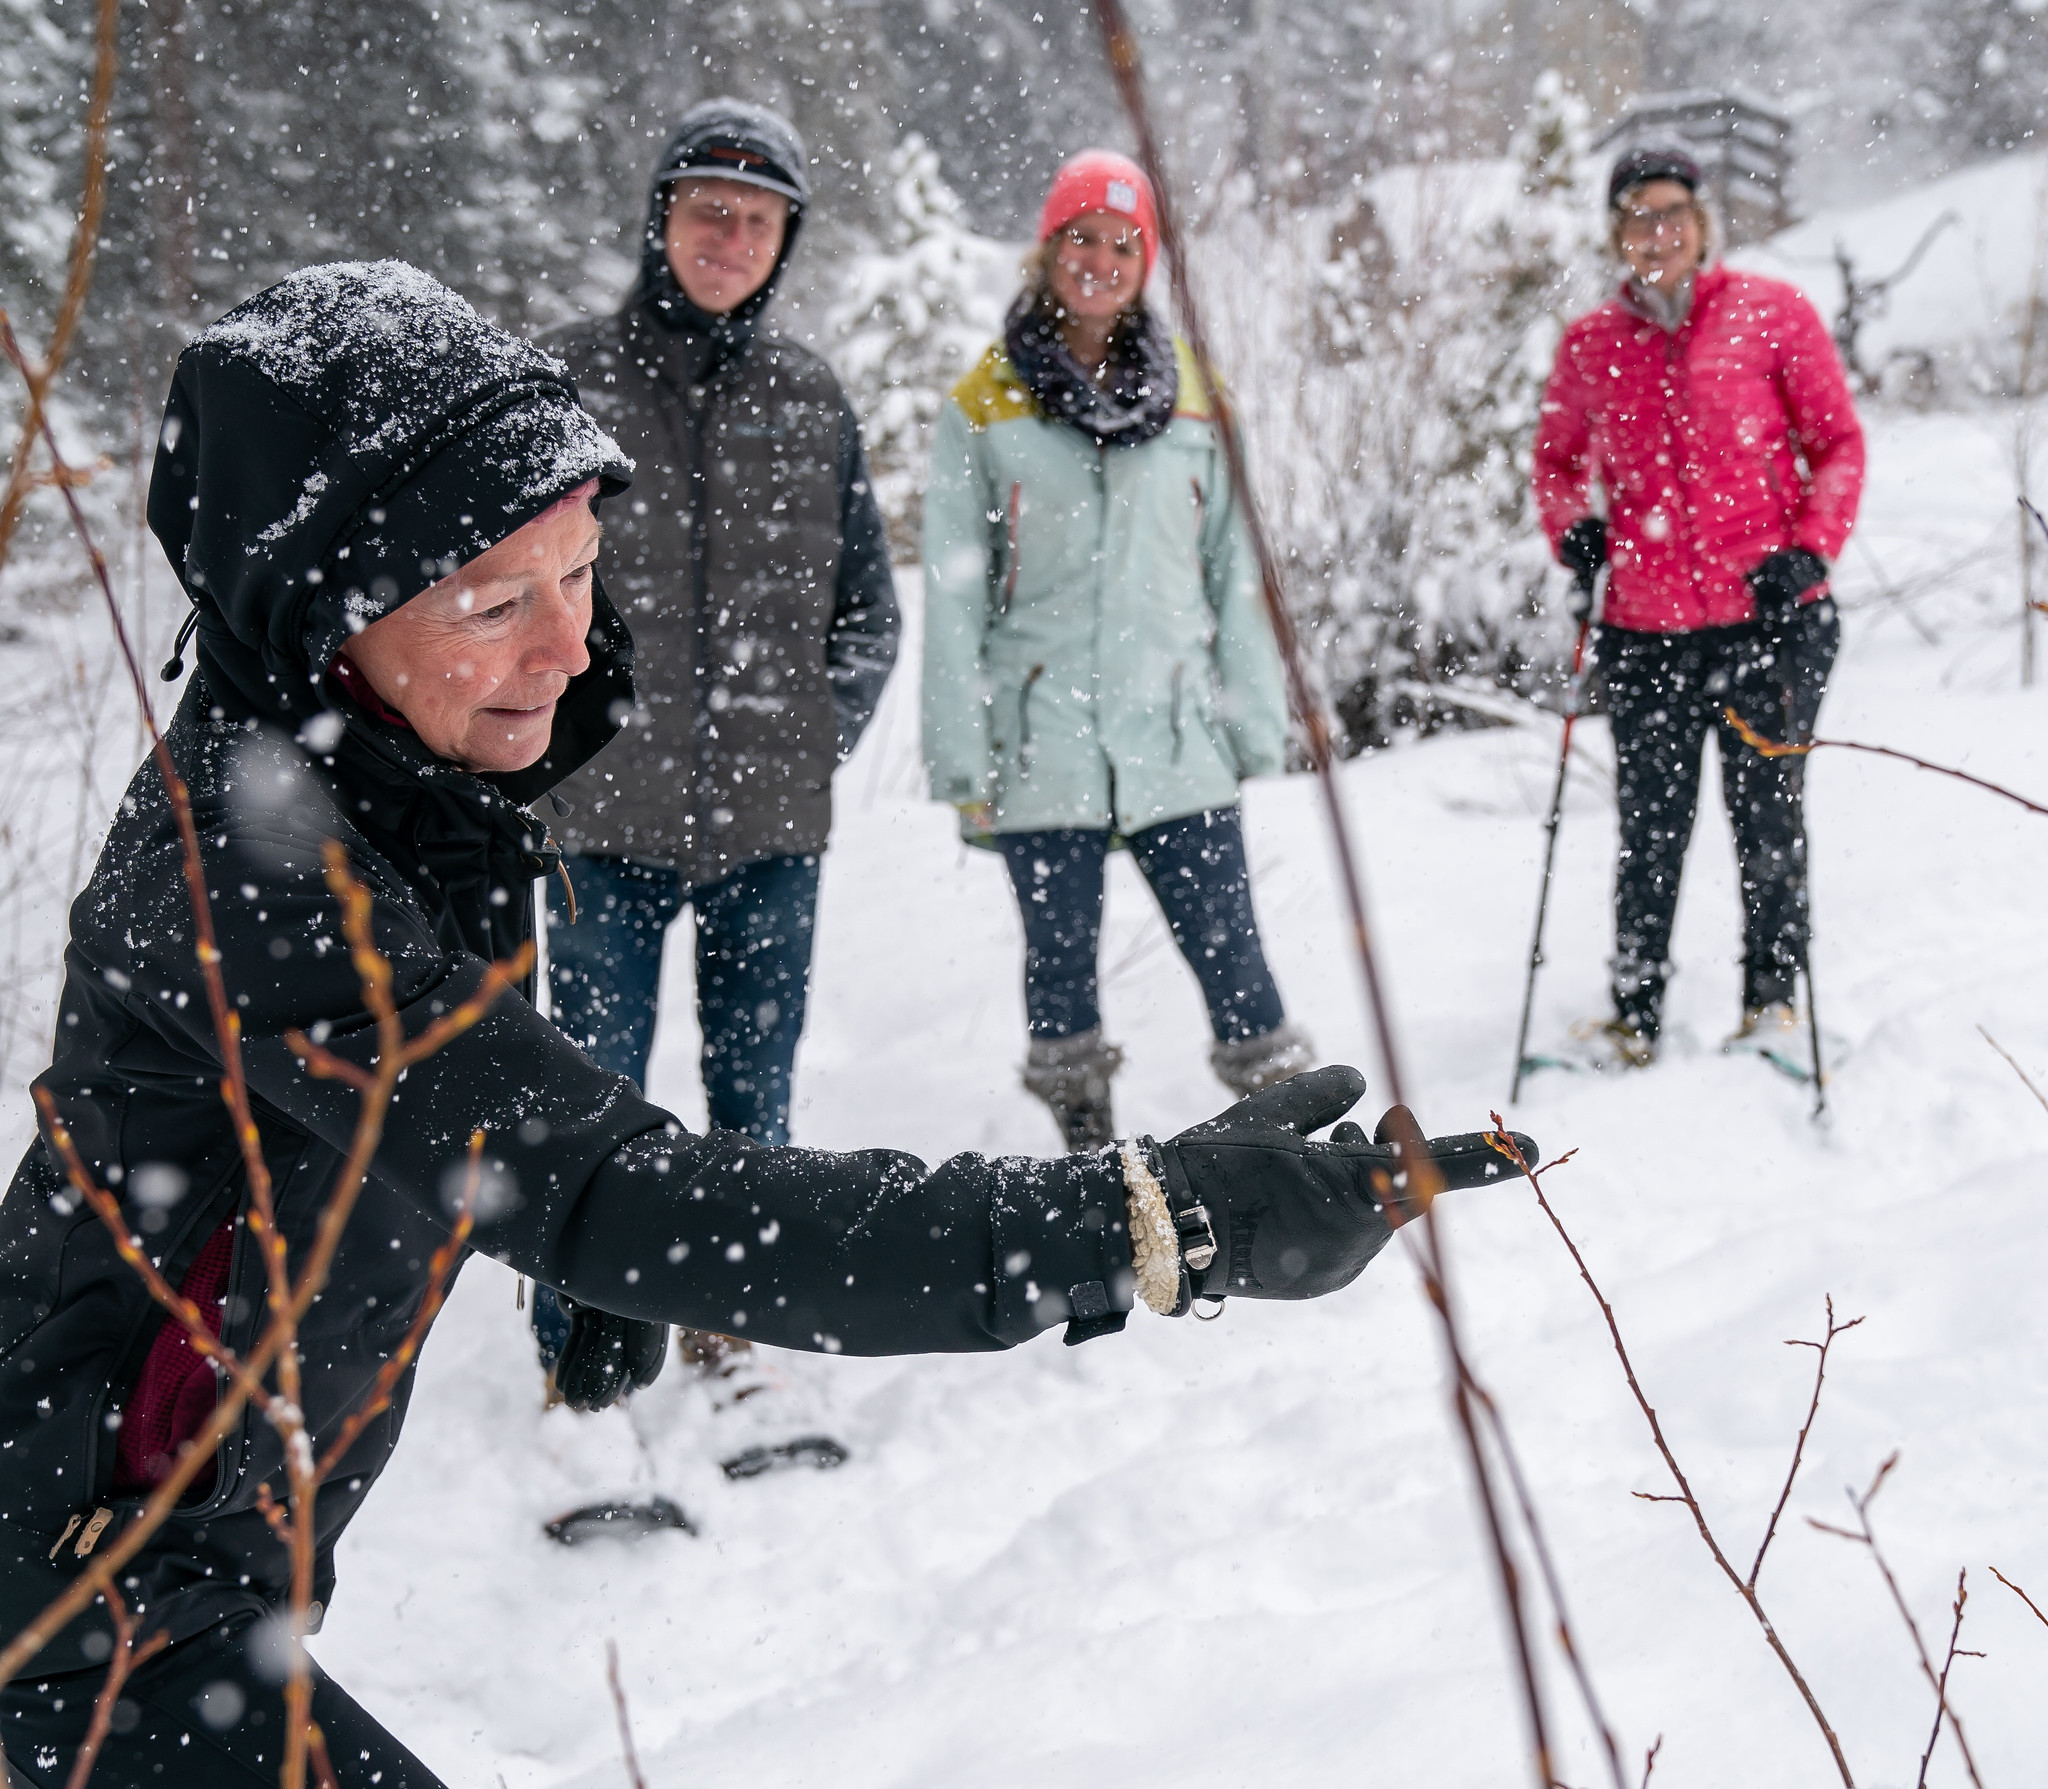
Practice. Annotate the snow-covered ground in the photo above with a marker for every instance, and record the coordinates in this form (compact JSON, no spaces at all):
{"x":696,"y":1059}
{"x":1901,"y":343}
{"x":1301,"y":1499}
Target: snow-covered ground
{"x":1245,"y":1552}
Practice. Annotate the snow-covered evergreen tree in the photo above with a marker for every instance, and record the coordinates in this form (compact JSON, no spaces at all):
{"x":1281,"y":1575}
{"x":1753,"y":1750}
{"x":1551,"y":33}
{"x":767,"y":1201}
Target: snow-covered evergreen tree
{"x":910,"y":315}
{"x":1389,"y":357}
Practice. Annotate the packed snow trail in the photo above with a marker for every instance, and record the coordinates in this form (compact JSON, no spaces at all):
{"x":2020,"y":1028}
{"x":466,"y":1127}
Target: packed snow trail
{"x":1244,"y":1551}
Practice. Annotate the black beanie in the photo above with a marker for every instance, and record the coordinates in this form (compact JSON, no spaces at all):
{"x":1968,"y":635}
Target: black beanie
{"x":1658,"y":162}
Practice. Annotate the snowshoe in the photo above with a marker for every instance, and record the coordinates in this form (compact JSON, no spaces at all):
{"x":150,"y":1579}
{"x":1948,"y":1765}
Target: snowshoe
{"x":818,"y":1451}
{"x":622,"y":1521}
{"x":1598,"y":1046}
{"x":1777,"y":1035}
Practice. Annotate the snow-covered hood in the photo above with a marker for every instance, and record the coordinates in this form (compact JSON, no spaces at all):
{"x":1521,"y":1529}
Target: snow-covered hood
{"x":339,"y":442}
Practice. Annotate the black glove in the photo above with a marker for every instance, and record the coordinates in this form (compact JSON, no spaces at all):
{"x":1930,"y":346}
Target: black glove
{"x":1263,"y":1212}
{"x":605,"y":1356}
{"x":1582,"y":552}
{"x":1782,"y":580}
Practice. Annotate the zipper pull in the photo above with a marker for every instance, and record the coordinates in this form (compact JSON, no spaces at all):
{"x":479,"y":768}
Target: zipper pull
{"x":70,"y":1528}
{"x":89,"y":1538}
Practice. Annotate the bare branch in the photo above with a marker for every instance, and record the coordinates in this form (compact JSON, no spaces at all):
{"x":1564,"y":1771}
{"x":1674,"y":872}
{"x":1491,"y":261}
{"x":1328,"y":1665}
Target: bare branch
{"x":1423,"y":1182}
{"x":77,"y":282}
{"x":1771,"y":748}
{"x":2021,"y":1594}
{"x":127,"y":1656}
{"x":2025,"y":1080}
{"x":1820,"y":1373}
{"x":1504,"y":1141}
{"x":1941,"y":1687}
{"x":1650,"y":1760}
{"x":438,"y":1269}
{"x":1863,"y":1535}
{"x":108,"y":1209}
{"x":611,"y":1671}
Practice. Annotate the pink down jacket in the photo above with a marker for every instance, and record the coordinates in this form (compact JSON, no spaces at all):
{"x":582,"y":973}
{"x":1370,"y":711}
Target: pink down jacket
{"x":1718,"y":444}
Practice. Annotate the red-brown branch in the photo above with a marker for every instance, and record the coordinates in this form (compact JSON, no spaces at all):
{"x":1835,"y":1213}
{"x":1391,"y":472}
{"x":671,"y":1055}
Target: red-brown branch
{"x":1771,"y":748}
{"x":127,"y":1657}
{"x":77,"y":282}
{"x":438,"y":1269}
{"x":1820,"y":1373}
{"x":1863,"y":1535}
{"x":1424,"y":1182}
{"x":227,"y":1024}
{"x":2021,"y":1594}
{"x":611,"y":1671}
{"x":2026,"y":1080}
{"x":129,"y":1247}
{"x":1504,"y":1141}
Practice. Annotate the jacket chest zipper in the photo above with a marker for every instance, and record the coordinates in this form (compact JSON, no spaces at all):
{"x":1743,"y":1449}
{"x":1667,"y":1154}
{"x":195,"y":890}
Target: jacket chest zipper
{"x":1016,"y":513}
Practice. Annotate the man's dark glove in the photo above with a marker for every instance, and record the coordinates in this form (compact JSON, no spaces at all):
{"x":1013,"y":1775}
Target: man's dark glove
{"x":1582,"y":552}
{"x":1782,"y":580}
{"x":1262,"y":1212}
{"x":605,"y":1356}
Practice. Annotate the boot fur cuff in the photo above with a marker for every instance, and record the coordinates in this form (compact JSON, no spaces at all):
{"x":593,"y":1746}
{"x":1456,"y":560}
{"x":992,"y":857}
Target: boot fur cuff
{"x":1155,"y":1247}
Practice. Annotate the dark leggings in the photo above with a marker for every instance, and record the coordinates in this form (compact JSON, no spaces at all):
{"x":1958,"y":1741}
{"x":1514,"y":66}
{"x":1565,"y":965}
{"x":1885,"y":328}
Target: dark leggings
{"x":1664,"y":693}
{"x":202,"y":1715}
{"x":1196,"y":869}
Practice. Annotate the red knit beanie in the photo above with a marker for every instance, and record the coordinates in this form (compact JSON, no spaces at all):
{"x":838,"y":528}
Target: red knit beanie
{"x":1102,"y":180}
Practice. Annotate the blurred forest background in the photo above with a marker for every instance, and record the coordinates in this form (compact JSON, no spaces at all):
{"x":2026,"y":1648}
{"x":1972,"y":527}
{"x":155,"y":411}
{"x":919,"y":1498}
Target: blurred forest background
{"x":1395,"y":203}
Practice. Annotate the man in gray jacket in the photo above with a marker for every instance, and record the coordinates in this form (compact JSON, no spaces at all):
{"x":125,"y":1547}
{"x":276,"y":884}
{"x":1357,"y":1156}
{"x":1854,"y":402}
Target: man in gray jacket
{"x":752,"y":567}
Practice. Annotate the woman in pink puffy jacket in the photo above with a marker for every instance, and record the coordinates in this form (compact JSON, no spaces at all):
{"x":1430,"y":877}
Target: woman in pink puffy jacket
{"x":1709,"y":410}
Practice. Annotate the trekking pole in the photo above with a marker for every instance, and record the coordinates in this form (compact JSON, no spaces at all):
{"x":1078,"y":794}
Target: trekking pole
{"x":1820,"y":1081}
{"x":1564,"y":758}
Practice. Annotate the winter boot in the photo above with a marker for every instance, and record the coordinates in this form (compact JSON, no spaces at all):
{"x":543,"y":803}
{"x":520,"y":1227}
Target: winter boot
{"x":1071,"y":1074}
{"x":1252,"y":1064}
{"x":1766,"y":1028}
{"x":1618,"y":1042}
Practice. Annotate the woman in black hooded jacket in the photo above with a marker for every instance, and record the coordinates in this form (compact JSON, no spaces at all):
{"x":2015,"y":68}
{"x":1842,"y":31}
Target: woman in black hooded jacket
{"x":349,"y":442}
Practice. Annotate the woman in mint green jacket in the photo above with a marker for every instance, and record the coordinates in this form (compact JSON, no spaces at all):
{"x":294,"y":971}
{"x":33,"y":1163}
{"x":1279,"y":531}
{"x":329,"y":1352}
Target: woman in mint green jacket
{"x":1097,"y":662}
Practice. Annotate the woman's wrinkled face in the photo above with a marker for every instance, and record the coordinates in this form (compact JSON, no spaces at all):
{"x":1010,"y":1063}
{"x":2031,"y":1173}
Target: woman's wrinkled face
{"x":1661,"y":232}
{"x":477,"y":662}
{"x":1098,"y":269}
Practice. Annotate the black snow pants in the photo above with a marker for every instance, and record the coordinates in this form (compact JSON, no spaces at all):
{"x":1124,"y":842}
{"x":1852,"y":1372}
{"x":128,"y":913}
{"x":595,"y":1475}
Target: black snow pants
{"x":204,"y":1714}
{"x":1663,"y":693}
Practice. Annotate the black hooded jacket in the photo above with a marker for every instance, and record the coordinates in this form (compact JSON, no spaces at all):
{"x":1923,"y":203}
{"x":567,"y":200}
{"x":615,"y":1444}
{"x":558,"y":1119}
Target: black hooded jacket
{"x":329,"y":449}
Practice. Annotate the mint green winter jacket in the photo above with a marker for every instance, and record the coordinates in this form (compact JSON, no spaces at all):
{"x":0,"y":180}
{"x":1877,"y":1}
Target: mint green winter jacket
{"x":1096,"y":650}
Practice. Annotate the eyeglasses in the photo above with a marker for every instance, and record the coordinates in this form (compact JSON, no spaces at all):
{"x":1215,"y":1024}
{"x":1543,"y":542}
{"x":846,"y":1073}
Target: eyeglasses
{"x":1642,"y":225}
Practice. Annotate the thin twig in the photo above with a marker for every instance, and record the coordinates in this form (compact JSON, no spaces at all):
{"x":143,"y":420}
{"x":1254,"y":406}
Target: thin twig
{"x":1771,"y":748}
{"x":388,"y":1375}
{"x":1863,"y":1535}
{"x":129,"y":1247}
{"x":1504,"y":1141}
{"x":1650,"y":1760}
{"x":77,"y":282}
{"x":2021,"y":1594}
{"x":1941,"y":1688}
{"x":611,"y":1670}
{"x":1820,"y":1373}
{"x":127,"y":1656}
{"x":1421,"y":1180}
{"x":2026,"y":1081}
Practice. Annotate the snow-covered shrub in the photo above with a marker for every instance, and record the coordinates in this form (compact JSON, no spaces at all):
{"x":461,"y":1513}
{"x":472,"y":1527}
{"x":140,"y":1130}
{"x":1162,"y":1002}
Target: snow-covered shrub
{"x":910,"y":315}
{"x":1387,"y":359}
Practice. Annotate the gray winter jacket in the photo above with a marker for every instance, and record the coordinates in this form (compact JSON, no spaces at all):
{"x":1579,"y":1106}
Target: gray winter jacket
{"x":751,"y":565}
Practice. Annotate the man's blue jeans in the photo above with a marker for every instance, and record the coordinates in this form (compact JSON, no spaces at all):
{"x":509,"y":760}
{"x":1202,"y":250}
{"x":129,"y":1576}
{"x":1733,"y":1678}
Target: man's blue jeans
{"x":754,"y":932}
